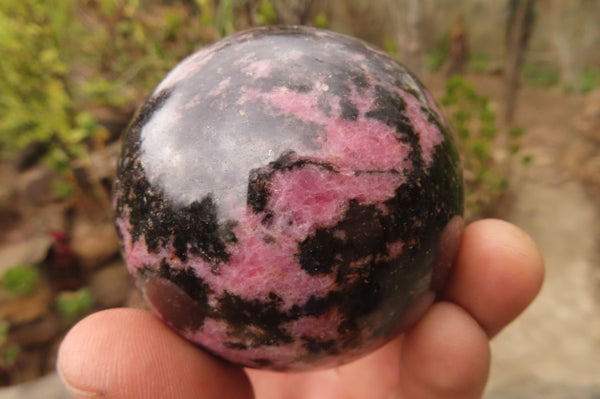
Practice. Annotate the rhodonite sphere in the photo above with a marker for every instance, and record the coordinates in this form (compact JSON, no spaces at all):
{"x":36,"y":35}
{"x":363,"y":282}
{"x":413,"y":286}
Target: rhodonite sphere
{"x":289,"y":198}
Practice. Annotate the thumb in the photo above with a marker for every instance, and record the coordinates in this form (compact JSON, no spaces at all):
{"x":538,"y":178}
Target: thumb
{"x":128,"y":353}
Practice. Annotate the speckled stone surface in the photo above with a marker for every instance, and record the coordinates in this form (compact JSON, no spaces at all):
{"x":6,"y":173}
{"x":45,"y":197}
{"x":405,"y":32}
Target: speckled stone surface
{"x":289,"y":198}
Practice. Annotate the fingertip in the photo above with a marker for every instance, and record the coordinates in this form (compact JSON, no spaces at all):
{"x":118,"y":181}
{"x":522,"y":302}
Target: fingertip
{"x":129,"y":353}
{"x":498,"y":273}
{"x":446,"y":355}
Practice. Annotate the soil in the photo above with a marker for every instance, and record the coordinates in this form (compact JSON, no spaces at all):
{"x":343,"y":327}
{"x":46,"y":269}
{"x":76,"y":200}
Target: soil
{"x":551,"y":351}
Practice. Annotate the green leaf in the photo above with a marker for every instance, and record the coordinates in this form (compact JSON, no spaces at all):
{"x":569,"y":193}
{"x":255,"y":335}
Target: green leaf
{"x":63,"y":189}
{"x":390,"y":47}
{"x":21,"y":280}
{"x":9,"y":355}
{"x":320,"y":20}
{"x":435,"y":59}
{"x":480,"y":149}
{"x":4,"y":329}
{"x":73,"y":305}
{"x":265,"y":13}
{"x":527,"y":160}
{"x":516,"y":132}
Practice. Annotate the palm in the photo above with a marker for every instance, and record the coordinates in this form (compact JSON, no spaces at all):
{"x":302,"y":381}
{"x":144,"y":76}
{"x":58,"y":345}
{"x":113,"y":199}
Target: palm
{"x":445,"y":355}
{"x":128,"y":354}
{"x":375,"y":376}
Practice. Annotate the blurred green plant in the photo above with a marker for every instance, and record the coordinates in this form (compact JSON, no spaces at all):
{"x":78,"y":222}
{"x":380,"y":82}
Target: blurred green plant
{"x":35,"y":102}
{"x":436,"y":57}
{"x":587,"y":81}
{"x":9,"y":352}
{"x":62,"y":59}
{"x":390,"y":47}
{"x":480,"y":62}
{"x":20,"y":280}
{"x":72,"y":305}
{"x":63,"y":189}
{"x":540,"y":75}
{"x":224,"y":18}
{"x":265,"y":13}
{"x":321,"y":20}
{"x":473,"y":118}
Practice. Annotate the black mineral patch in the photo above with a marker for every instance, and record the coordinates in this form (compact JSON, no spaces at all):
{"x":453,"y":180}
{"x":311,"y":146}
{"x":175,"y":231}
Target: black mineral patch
{"x":349,"y":110}
{"x":194,"y":228}
{"x":262,"y":362}
{"x":316,"y":254}
{"x":316,"y":346}
{"x":258,"y":189}
{"x":390,"y":109}
{"x":325,"y":250}
{"x":254,"y":322}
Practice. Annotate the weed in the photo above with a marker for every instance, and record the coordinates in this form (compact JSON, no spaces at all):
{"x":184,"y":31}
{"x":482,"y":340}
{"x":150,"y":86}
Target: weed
{"x":72,"y":305}
{"x":20,"y":280}
{"x":473,"y":118}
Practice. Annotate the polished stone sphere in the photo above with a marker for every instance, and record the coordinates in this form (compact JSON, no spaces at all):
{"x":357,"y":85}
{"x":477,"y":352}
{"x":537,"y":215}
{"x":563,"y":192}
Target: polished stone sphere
{"x":289,"y":198}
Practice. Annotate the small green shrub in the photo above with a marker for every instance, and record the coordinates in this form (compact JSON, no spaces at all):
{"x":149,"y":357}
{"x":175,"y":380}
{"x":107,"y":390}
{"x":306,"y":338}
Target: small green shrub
{"x":473,"y":118}
{"x":435,"y":59}
{"x":587,"y":81}
{"x":21,"y":280}
{"x":9,"y":352}
{"x":480,"y":62}
{"x":437,"y":56}
{"x":390,"y":47}
{"x":540,"y":75}
{"x":265,"y":13}
{"x":63,"y":189}
{"x":72,"y":305}
{"x":62,"y":58}
{"x":321,"y":20}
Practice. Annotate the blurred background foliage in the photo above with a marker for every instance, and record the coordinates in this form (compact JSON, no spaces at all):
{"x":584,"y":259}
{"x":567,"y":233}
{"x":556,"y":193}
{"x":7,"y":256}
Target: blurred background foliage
{"x":62,"y":60}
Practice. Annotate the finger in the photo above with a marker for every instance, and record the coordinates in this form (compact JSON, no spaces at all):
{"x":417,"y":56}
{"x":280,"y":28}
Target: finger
{"x":374,"y":376}
{"x":498,"y":272}
{"x":445,"y":355}
{"x":129,"y":353}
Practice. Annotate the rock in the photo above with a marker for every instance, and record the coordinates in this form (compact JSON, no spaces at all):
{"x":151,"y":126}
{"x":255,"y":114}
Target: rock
{"x":301,"y":217}
{"x":27,"y":367}
{"x":37,"y":332}
{"x":93,"y":242}
{"x":37,"y":220}
{"x":29,"y":252}
{"x":47,"y":387}
{"x":31,"y":154}
{"x":9,"y":214}
{"x":103,"y":162}
{"x":111,"y":285}
{"x":34,"y":186}
{"x":20,"y":310}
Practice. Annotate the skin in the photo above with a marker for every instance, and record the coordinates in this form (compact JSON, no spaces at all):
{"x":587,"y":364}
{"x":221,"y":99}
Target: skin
{"x":128,"y":353}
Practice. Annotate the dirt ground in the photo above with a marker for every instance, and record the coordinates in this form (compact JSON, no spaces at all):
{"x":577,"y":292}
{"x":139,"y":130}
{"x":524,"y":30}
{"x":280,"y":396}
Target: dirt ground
{"x":552,"y":350}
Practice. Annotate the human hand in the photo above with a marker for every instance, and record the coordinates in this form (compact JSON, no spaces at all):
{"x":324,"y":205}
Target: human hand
{"x":129,"y":353}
